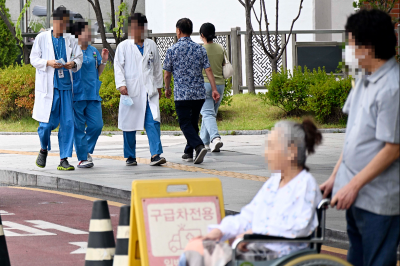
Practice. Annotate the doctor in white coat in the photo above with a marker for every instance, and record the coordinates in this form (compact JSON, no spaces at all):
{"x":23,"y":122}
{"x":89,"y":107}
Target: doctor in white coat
{"x":138,"y":76}
{"x":53,"y":87}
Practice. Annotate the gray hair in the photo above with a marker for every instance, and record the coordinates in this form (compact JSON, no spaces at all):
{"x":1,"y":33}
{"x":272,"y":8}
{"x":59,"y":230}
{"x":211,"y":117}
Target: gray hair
{"x":293,"y":133}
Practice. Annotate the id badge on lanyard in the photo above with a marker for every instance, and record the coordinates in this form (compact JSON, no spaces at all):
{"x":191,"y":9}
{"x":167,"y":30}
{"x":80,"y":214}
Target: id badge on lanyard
{"x":61,"y":73}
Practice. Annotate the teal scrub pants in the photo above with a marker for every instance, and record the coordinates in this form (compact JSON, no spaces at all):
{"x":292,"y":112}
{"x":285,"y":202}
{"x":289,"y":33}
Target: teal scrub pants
{"x":61,"y":114}
{"x":153,"y":132}
{"x":88,"y":125}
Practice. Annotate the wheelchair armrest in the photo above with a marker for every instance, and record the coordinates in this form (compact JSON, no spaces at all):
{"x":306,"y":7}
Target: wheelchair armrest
{"x":266,"y":237}
{"x":323,"y":204}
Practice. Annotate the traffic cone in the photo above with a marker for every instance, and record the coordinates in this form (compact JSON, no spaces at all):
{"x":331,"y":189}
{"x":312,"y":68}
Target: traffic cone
{"x":101,"y":244}
{"x":123,"y":231}
{"x":4,"y":258}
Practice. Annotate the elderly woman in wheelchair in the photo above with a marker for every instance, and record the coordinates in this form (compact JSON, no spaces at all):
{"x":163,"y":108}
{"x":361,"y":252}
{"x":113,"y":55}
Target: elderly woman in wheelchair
{"x":277,"y":225}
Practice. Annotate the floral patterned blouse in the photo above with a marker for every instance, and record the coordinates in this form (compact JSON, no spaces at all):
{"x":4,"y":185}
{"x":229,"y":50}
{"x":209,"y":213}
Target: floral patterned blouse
{"x":289,"y":211}
{"x":186,"y":61}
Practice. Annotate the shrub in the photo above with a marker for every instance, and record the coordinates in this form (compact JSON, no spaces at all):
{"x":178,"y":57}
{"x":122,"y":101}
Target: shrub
{"x":8,"y":45}
{"x":227,"y":97}
{"x":110,"y":96}
{"x":305,"y":91}
{"x":17,"y":90}
{"x":327,"y":98}
{"x":288,"y":91}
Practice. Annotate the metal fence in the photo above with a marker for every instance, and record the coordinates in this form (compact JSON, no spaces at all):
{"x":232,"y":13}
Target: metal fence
{"x":166,"y":40}
{"x":261,"y":65}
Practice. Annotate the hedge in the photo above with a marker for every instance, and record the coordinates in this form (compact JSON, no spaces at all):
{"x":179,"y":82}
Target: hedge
{"x":17,"y":90}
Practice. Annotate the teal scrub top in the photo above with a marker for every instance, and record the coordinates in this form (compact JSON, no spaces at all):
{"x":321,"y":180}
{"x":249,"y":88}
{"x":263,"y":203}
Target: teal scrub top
{"x":86,"y":80}
{"x":60,"y":52}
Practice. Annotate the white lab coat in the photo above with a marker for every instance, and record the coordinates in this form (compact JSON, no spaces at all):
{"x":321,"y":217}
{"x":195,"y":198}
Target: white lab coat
{"x":44,"y":85}
{"x":142,"y":75}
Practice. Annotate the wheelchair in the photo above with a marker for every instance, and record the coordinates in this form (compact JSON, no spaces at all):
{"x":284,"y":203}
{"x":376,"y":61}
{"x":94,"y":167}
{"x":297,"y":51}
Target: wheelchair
{"x":306,"y":257}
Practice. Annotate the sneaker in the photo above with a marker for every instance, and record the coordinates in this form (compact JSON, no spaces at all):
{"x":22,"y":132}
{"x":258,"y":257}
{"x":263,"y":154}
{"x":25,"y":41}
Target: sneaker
{"x":85,"y":164}
{"x":201,"y":152}
{"x":157,"y":160}
{"x":207,"y":147}
{"x":65,"y":166}
{"x":216,"y":145}
{"x":89,"y":158}
{"x":187,"y":157}
{"x":131,"y":161}
{"x":42,"y":158}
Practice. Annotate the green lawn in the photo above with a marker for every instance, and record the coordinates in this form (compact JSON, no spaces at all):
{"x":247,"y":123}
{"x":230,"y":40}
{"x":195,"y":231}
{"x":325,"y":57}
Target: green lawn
{"x":246,"y":112}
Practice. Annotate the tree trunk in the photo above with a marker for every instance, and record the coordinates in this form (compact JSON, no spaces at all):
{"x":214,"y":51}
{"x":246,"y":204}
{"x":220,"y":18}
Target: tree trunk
{"x":100,"y":21}
{"x":274,"y":65}
{"x":249,"y":52}
{"x":134,"y":4}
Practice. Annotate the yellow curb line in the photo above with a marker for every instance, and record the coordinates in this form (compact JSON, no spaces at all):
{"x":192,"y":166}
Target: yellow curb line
{"x":112,"y":203}
{"x":176,"y":166}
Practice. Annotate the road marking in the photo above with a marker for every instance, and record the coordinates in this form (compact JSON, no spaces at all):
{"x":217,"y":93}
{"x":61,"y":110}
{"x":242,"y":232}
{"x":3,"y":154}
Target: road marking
{"x":47,"y":225}
{"x":2,"y":213}
{"x":112,"y":203}
{"x":29,"y":230}
{"x":176,"y":166}
{"x":82,"y":247}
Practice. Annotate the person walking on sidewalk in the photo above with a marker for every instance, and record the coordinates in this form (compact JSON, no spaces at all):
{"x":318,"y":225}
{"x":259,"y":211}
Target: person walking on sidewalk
{"x":87,"y":102}
{"x":55,"y":55}
{"x":138,"y":77}
{"x":186,"y":60}
{"x":216,"y":55}
{"x":365,"y":180}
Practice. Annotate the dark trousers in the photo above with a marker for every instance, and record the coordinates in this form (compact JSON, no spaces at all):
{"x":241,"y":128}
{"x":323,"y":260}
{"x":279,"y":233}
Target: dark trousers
{"x":373,"y":238}
{"x":188,"y":115}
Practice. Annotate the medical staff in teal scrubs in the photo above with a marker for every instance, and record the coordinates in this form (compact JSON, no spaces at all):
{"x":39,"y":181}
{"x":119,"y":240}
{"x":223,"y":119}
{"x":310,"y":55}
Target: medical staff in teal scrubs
{"x":87,"y":102}
{"x":55,"y":55}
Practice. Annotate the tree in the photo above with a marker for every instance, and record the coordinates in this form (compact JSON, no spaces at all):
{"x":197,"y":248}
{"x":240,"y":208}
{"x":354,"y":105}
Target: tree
{"x":100,"y":22}
{"x":9,"y":50}
{"x":383,"y":5}
{"x":248,"y":5}
{"x":15,"y":32}
{"x":117,"y":25}
{"x":274,"y":52}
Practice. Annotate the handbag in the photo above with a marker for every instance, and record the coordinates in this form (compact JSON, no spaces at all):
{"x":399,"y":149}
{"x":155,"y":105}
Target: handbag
{"x":227,"y":69}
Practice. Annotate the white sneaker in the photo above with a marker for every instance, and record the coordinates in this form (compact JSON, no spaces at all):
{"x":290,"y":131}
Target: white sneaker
{"x":207,"y":147}
{"x":89,"y":158}
{"x":85,"y":164}
{"x":216,"y":145}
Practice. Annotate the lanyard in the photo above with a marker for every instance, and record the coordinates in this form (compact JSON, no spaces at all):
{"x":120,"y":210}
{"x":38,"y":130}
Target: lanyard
{"x":59,"y":46}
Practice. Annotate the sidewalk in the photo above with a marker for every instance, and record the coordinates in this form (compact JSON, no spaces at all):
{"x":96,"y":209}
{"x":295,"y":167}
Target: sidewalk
{"x":240,"y":167}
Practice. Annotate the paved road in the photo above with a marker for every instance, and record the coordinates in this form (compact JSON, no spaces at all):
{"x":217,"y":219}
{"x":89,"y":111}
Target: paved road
{"x":241,"y":166}
{"x":45,"y":227}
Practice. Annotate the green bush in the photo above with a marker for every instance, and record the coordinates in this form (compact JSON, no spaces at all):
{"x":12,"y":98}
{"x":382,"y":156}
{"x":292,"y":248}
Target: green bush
{"x":227,"y":97}
{"x":303,"y":92}
{"x":110,"y":96}
{"x":327,"y":98}
{"x":17,"y":90}
{"x":8,"y":45}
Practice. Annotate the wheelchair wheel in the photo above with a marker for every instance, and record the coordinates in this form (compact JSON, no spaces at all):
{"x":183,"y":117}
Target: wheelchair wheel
{"x":318,"y":260}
